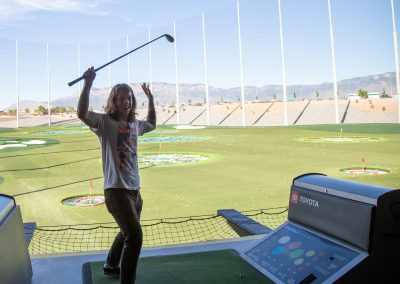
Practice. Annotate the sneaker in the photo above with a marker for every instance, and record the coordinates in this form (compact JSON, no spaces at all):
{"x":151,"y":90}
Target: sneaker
{"x":108,"y":270}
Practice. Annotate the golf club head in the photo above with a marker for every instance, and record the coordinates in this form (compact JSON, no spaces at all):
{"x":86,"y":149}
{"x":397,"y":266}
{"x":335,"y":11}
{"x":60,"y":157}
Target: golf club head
{"x":169,"y":38}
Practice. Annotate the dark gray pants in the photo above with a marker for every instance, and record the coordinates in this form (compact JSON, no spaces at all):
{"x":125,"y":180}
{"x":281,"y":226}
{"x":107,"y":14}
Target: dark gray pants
{"x":125,"y":206}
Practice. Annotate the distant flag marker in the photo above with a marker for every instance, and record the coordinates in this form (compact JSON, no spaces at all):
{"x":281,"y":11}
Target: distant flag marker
{"x":91,"y":191}
{"x":363,"y":162}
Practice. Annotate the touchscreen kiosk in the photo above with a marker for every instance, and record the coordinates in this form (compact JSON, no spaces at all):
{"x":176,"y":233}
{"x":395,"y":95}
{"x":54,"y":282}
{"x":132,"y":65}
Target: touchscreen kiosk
{"x":292,"y":254}
{"x":338,"y":231}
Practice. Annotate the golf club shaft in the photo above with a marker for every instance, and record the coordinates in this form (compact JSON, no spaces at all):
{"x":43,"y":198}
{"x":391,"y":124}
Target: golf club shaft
{"x":112,"y":61}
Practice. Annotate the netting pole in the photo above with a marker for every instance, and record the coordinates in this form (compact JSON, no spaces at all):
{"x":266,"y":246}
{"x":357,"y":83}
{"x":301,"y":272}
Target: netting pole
{"x":335,"y":89}
{"x":79,"y":73}
{"x":396,"y":59}
{"x":285,"y":111}
{"x":150,"y":64}
{"x":176,"y":78}
{"x":16,"y":80}
{"x":109,"y":66}
{"x":128,"y":60}
{"x":241,"y":65}
{"x":205,"y":68}
{"x":48,"y":84}
{"x":80,"y":82}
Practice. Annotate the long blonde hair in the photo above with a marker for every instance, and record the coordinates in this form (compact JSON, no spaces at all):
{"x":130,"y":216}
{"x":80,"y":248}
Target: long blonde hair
{"x":111,"y":108}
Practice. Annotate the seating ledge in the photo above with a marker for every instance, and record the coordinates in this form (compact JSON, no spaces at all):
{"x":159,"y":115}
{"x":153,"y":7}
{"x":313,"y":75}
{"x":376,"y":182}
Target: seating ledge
{"x":245,"y":223}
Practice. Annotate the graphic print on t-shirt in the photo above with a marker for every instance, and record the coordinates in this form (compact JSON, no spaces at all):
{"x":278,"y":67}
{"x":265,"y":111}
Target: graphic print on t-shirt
{"x":126,"y":145}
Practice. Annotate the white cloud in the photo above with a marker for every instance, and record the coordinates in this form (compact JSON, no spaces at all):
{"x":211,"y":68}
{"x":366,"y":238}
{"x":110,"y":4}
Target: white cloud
{"x":14,"y":10}
{"x":58,"y":5}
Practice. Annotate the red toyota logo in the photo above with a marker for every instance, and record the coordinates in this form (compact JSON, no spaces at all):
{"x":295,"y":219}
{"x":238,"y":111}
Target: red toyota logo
{"x":294,"y":197}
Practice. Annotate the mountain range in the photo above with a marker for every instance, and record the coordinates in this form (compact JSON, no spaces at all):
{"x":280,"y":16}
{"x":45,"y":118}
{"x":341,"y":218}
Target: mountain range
{"x":165,"y":93}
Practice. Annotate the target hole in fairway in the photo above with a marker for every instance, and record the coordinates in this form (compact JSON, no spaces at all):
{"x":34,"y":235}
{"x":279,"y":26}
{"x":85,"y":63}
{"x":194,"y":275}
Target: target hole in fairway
{"x":73,"y":129}
{"x":189,"y":127}
{"x":366,"y":171}
{"x":341,"y":139}
{"x":169,"y":139}
{"x":57,"y":132}
{"x":84,"y":200}
{"x":23,"y":143}
{"x":170,"y":159}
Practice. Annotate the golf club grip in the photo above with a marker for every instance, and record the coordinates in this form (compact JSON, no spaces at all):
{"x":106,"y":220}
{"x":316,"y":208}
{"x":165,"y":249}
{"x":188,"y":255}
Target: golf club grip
{"x":75,"y":81}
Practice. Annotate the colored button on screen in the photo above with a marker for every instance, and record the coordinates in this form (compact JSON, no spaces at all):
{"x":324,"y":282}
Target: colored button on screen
{"x":297,"y":253}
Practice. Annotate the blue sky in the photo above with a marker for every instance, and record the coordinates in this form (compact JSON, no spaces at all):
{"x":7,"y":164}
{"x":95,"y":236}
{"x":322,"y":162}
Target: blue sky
{"x":363,"y":36}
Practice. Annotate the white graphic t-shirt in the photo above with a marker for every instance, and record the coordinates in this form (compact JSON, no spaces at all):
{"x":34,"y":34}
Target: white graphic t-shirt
{"x":119,"y":150}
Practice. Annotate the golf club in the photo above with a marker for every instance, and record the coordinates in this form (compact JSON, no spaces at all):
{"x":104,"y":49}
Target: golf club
{"x":167,"y":36}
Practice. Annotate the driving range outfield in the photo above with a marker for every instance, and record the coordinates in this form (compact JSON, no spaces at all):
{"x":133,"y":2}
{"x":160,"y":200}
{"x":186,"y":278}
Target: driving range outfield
{"x":249,"y":168}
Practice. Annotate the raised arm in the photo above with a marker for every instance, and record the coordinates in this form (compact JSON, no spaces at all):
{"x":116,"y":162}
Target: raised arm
{"x":83,"y":104}
{"x":151,"y":113}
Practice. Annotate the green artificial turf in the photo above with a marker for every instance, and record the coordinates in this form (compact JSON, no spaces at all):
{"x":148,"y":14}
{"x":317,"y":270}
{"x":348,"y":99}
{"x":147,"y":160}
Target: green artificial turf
{"x":223,"y":266}
{"x":249,"y":168}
